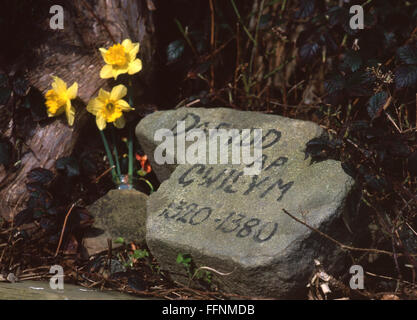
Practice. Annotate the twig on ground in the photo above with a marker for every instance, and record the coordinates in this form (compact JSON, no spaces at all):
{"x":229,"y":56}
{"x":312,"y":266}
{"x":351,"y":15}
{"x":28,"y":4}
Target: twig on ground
{"x":341,"y":245}
{"x":63,"y":227}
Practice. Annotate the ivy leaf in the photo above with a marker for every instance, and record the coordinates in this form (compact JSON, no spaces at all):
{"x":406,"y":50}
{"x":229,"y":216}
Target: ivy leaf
{"x":309,"y":51}
{"x":335,"y":87}
{"x":40,"y":175}
{"x":360,"y":84}
{"x":398,"y":148}
{"x":175,"y":50}
{"x":390,"y":39}
{"x":335,"y":83}
{"x":376,"y":183}
{"x":405,"y":76}
{"x":20,"y":86}
{"x":24,"y":216}
{"x":88,"y":164}
{"x":407,"y":54}
{"x":375,"y":104}
{"x":352,"y":60}
{"x":306,"y":10}
{"x":69,"y":165}
{"x":337,"y":15}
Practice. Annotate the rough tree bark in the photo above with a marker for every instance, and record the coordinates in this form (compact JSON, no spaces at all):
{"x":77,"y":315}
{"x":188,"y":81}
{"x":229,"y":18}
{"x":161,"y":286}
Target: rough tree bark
{"x":72,"y":54}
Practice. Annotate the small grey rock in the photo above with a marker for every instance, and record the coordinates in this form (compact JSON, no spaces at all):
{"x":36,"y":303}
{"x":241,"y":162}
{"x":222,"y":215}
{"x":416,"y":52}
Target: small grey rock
{"x":120,"y":213}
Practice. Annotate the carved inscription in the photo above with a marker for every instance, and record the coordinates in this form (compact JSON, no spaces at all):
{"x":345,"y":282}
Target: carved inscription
{"x":240,"y":225}
{"x":227,"y":178}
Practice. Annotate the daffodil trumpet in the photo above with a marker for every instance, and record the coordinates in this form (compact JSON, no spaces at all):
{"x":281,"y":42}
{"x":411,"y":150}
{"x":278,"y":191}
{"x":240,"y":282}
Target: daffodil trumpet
{"x":120,"y":58}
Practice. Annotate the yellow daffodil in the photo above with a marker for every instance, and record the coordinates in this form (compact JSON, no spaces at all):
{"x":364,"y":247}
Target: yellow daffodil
{"x":120,"y":58}
{"x":58,"y":99}
{"x":109,"y":107}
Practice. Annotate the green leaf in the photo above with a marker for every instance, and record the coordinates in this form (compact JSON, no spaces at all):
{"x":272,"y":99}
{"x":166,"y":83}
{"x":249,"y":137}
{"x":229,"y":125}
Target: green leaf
{"x":69,"y":165}
{"x":375,"y":104}
{"x":175,"y":50}
{"x":119,"y":240}
{"x":335,"y":83}
{"x":360,"y":83}
{"x":309,"y":51}
{"x":352,"y":60}
{"x":140,"y":254}
{"x":337,"y":15}
{"x":306,"y":9}
{"x":40,"y":175}
{"x":20,"y":86}
{"x":405,"y":76}
{"x":407,"y":54}
{"x":179,"y":258}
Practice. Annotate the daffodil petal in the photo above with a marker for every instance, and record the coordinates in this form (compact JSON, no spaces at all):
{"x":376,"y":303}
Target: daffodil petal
{"x":59,"y":85}
{"x":101,"y":122}
{"x":127,"y":44}
{"x":120,"y":122}
{"x":135,"y":66}
{"x":94,"y":106}
{"x":103,"y":95}
{"x":118,"y":92}
{"x":119,"y":71}
{"x":72,"y":91}
{"x":70,"y":113}
{"x":106,"y":72}
{"x":134,"y":51}
{"x":123,"y":105}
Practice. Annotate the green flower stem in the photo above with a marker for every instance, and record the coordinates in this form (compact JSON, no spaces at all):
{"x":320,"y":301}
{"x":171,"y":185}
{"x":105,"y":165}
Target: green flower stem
{"x":130,"y":139}
{"x":130,"y":148}
{"x":109,"y":156}
{"x":115,"y":153}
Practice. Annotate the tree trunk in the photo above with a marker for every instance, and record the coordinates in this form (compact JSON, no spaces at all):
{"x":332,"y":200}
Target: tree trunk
{"x":72,"y":54}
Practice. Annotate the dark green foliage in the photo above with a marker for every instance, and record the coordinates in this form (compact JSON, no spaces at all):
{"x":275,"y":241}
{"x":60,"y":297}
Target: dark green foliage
{"x":375,"y":104}
{"x":407,"y":54}
{"x":306,"y":9}
{"x":68,"y":165}
{"x":309,"y":51}
{"x":406,"y":76}
{"x":352,"y":60}
{"x":40,"y":175}
{"x":175,"y":50}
